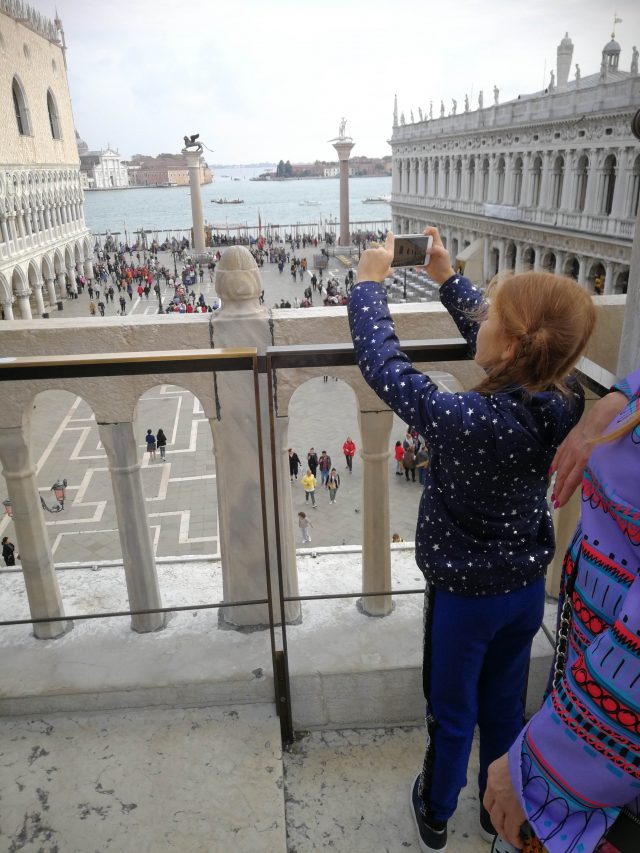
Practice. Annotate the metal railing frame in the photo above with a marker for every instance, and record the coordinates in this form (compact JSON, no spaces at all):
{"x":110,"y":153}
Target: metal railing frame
{"x":276,"y":358}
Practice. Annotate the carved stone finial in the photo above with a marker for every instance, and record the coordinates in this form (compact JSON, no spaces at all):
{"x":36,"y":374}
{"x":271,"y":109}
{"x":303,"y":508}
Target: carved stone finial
{"x":238,"y":283}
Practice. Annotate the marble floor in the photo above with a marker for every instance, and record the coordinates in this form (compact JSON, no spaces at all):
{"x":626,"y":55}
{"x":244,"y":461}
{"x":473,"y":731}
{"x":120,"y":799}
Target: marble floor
{"x":211,"y":781}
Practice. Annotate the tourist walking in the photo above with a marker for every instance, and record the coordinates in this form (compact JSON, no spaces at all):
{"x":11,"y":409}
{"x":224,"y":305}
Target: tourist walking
{"x":8,"y":549}
{"x":575,"y":763}
{"x":399,"y":453}
{"x":349,"y":449}
{"x":161,"y":442}
{"x":409,"y":461}
{"x":151,"y":444}
{"x":101,"y":307}
{"x":422,"y":463}
{"x":484,"y":535}
{"x":304,"y":524}
{"x":333,"y":484}
{"x":312,"y":461}
{"x":324,"y":464}
{"x":309,"y":485}
{"x":294,"y":464}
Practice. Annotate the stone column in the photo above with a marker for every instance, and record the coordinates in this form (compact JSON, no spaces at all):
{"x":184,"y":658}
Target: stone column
{"x":5,"y":231}
{"x":593,"y":175}
{"x":486,"y":260}
{"x":608,"y":278}
{"x":51,"y":290}
{"x":507,"y":196}
{"x":582,"y":271}
{"x":193,"y":164}
{"x":518,"y":261}
{"x":32,"y":541}
{"x":23,"y":304}
{"x":88,"y":269}
{"x":7,"y":308}
{"x":545,"y":181}
{"x":71,"y":273}
{"x":537,"y":260}
{"x":502,"y":255}
{"x":242,"y":321}
{"x":37,"y":290}
{"x":560,"y":259}
{"x":620,"y":189}
{"x":343,"y":148}
{"x":119,"y":443}
{"x":569,"y":180}
{"x":62,"y":284}
{"x":375,"y":430}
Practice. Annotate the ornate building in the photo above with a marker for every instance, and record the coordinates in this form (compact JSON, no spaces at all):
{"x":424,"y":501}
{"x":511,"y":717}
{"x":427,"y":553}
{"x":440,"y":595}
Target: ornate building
{"x":44,"y":242}
{"x":547,"y":181}
{"x":101,"y":170}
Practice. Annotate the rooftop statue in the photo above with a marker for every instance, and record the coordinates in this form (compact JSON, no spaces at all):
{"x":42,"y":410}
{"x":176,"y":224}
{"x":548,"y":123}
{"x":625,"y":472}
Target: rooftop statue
{"x":496,"y":95}
{"x":552,"y":81}
{"x":634,"y":60}
{"x":454,"y":106}
{"x":430,"y":109}
{"x":441,"y":109}
{"x":480,"y":99}
{"x":413,"y":121}
{"x":420,"y":113}
{"x":577,"y":74}
{"x":466,"y":103}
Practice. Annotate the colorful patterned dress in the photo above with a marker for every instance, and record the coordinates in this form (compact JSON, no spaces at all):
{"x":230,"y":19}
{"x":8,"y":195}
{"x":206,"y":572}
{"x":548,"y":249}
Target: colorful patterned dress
{"x":578,"y":759}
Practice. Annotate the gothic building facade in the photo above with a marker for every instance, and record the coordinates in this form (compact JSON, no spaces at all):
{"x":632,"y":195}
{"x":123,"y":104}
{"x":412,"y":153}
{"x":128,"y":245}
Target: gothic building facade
{"x":44,"y":242}
{"x":549,"y":180}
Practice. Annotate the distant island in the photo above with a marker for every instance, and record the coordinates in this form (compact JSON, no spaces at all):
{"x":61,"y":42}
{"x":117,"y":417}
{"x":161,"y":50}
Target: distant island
{"x":242,"y":165}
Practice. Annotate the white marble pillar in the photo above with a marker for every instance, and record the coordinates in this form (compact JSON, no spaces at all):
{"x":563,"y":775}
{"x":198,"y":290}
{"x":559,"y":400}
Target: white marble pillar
{"x":560,"y":259}
{"x":509,"y":177}
{"x":32,"y":541}
{"x":375,"y":432}
{"x":502,"y":255}
{"x":537,"y":260}
{"x":608,"y":278}
{"x":193,"y":164}
{"x":343,"y":148}
{"x":7,"y":308}
{"x":582,"y":271}
{"x":545,"y":181}
{"x":23,"y":304}
{"x":62,"y":284}
{"x":119,"y":442}
{"x":569,"y":180}
{"x":5,"y":231}
{"x":37,"y":292}
{"x":593,"y":182}
{"x":620,"y":189}
{"x":51,"y":290}
{"x":518,"y":261}
{"x":486,"y":260}
{"x":71,"y":273}
{"x":242,"y":321}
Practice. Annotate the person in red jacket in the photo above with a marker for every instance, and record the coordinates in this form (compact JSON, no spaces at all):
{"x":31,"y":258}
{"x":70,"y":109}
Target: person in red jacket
{"x":349,"y":449}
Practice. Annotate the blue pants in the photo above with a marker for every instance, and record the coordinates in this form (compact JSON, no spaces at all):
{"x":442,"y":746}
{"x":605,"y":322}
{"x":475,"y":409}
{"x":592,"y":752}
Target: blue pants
{"x":476,"y":657}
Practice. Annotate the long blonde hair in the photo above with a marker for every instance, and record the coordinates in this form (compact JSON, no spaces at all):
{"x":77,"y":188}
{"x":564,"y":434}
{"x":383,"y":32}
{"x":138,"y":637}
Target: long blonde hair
{"x":627,"y":427}
{"x":551,"y":319}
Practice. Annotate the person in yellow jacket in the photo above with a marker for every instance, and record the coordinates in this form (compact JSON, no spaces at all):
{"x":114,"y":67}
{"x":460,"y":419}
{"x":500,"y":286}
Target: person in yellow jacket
{"x":309,"y":486}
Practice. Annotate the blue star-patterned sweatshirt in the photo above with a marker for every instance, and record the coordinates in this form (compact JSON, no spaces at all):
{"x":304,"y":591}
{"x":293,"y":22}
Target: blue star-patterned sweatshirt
{"x":483,"y":524}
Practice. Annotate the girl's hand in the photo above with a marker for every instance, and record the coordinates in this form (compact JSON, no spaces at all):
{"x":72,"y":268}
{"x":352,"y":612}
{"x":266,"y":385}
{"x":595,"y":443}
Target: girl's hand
{"x":374,"y":264}
{"x":439,"y":267}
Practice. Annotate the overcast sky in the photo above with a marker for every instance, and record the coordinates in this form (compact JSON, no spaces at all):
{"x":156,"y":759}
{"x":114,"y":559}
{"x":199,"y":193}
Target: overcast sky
{"x":269,"y":79}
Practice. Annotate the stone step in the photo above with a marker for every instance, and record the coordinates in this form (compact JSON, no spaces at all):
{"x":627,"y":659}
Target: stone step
{"x":191,"y":780}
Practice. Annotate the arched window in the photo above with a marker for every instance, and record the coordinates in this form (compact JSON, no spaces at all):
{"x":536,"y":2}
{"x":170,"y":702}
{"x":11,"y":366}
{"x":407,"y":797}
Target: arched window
{"x":608,"y":184}
{"x":54,"y":123}
{"x":537,"y":180}
{"x":634,"y":194}
{"x":500,"y":180}
{"x":582,"y":176}
{"x":20,"y":107}
{"x":447,"y":170}
{"x":517,"y":183}
{"x":557,"y":181}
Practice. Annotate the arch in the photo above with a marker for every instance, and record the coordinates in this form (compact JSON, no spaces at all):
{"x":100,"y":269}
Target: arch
{"x":609,"y":169}
{"x":548,"y":263}
{"x":47,"y":269}
{"x":510,"y":255}
{"x":69,"y":253}
{"x":634,"y":190}
{"x":58,"y":261}
{"x":582,"y":177}
{"x":5,"y":289}
{"x":571,"y":267}
{"x":20,"y":107}
{"x":536,"y":174}
{"x":595,"y":275}
{"x":557,"y":182}
{"x":517,"y":181}
{"x":500,"y":168}
{"x":621,"y":282}
{"x":528,"y":258}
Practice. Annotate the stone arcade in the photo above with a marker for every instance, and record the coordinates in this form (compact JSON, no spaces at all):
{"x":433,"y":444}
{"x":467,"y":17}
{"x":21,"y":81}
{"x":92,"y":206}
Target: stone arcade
{"x":548,"y":181}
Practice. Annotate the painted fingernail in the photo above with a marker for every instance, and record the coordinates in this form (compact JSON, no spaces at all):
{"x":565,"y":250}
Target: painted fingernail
{"x":553,"y":497}
{"x":556,"y":504}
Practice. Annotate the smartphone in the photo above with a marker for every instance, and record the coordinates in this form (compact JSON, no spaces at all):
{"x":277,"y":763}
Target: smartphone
{"x":411,"y":250}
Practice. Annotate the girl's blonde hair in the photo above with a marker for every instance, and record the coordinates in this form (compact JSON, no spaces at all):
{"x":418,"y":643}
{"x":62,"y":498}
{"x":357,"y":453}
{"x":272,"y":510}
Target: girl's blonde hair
{"x":551,"y":318}
{"x":626,"y":428}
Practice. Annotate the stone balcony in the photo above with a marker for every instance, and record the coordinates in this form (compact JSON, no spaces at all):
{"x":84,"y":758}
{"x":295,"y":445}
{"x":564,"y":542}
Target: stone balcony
{"x":211,"y":778}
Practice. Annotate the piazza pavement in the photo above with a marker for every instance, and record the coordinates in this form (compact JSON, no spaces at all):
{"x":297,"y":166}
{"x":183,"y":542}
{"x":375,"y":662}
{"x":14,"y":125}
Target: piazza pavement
{"x":181,"y":492}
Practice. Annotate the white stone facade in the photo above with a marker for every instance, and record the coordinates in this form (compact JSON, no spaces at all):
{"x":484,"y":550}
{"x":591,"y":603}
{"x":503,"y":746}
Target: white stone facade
{"x":103,"y":170}
{"x":44,"y":242}
{"x":547,"y":181}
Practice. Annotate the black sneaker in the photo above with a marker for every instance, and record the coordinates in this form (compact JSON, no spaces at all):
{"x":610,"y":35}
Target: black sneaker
{"x":431,"y":839}
{"x":487,"y":832}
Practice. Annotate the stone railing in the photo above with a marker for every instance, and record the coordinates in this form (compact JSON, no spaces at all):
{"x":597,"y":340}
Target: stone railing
{"x":229,"y":404}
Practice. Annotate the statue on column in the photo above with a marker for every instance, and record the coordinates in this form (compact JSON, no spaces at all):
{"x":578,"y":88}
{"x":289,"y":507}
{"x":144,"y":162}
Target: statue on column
{"x":190,"y":143}
{"x":466,"y":103}
{"x":480,"y":99}
{"x":634,"y":60}
{"x":552,"y":81}
{"x":578,"y":75}
{"x":496,"y":95}
{"x":342,"y":128}
{"x":454,"y":106}
{"x":441,"y":109}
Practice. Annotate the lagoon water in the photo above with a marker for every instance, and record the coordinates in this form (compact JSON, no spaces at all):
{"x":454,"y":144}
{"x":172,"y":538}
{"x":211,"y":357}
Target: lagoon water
{"x":167,"y":209}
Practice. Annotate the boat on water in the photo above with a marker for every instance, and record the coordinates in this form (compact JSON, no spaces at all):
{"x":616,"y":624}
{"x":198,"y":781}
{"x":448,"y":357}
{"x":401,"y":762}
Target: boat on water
{"x":309,"y":203}
{"x":378,"y":199}
{"x":227,"y":201}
